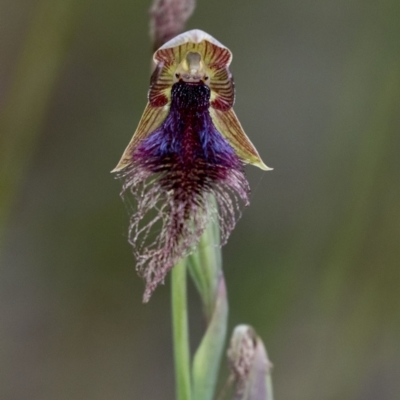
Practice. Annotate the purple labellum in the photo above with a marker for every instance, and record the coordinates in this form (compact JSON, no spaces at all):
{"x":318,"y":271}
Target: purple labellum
{"x":173,"y":174}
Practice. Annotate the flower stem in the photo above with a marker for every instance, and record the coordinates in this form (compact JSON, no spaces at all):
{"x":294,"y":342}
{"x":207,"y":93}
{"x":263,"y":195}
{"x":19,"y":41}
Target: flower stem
{"x":180,"y":331}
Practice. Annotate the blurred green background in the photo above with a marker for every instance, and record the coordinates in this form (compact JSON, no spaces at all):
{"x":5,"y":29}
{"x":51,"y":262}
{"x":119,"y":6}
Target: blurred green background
{"x":314,"y":264}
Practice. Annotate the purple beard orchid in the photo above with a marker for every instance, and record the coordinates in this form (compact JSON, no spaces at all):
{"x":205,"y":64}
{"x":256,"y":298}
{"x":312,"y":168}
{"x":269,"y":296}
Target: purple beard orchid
{"x":188,"y":148}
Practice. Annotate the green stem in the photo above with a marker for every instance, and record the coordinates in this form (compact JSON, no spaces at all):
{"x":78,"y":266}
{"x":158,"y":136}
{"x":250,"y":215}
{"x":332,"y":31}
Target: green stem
{"x":180,"y":331}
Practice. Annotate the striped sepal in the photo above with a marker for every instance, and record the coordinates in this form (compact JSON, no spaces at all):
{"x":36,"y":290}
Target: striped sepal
{"x":229,"y":126}
{"x":222,"y":89}
{"x":160,"y":84}
{"x":151,"y":119}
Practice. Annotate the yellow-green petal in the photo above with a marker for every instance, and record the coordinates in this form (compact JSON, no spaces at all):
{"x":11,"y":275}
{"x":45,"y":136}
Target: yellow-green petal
{"x":151,"y":119}
{"x":229,"y":126}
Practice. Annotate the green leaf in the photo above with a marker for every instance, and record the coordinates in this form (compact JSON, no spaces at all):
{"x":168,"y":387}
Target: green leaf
{"x":205,"y":268}
{"x":207,"y":359}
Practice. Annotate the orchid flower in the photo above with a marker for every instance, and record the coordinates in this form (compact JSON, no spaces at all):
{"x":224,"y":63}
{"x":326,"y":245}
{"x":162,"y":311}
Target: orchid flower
{"x":189,"y":146}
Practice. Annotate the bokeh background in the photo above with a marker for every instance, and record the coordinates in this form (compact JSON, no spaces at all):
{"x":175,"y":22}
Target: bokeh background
{"x":314,"y":264}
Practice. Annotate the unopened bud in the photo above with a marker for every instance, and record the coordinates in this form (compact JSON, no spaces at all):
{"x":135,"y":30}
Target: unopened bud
{"x":249,"y":364}
{"x":241,"y":352}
